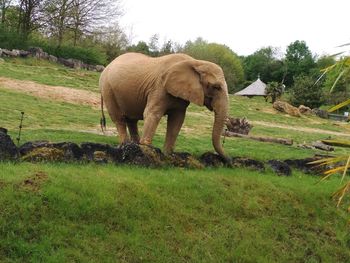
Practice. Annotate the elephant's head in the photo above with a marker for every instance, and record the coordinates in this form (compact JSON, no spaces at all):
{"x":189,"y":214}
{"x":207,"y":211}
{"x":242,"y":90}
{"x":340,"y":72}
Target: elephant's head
{"x":202,"y":83}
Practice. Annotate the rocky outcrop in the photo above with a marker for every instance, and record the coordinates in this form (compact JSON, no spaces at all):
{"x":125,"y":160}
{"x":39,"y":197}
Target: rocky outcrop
{"x":40,"y":54}
{"x":135,"y":154}
{"x":8,"y":150}
{"x":285,"y":107}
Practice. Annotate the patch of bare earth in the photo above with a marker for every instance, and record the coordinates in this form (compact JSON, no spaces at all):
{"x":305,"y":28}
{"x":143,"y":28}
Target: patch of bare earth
{"x":57,"y":93}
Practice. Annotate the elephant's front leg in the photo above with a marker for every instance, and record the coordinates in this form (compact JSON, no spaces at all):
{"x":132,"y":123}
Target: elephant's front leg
{"x":152,"y":116}
{"x":175,"y":121}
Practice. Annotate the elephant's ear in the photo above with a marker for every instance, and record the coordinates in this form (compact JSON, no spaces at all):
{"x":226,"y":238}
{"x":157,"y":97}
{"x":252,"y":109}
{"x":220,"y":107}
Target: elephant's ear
{"x":183,"y":80}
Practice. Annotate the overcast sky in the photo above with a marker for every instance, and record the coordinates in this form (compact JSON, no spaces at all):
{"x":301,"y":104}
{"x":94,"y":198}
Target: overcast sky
{"x":243,"y":25}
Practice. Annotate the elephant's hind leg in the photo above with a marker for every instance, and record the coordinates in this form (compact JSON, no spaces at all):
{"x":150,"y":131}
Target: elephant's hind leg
{"x":133,"y":130}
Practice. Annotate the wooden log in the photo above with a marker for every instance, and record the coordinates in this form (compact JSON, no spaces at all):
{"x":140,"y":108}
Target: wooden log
{"x":340,"y":143}
{"x":259,"y":138}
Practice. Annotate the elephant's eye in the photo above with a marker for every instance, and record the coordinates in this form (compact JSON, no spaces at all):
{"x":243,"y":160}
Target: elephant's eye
{"x":216,"y":86}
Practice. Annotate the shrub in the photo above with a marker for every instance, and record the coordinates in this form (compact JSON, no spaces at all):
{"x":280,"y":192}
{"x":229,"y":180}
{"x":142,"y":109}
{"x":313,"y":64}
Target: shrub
{"x":306,"y":92}
{"x":10,"y":39}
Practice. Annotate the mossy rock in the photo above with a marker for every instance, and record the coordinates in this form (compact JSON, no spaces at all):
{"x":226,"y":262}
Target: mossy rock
{"x":45,"y":154}
{"x":184,"y":160}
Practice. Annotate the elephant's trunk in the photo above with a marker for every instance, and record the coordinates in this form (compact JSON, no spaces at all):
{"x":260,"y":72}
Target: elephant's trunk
{"x":220,"y":107}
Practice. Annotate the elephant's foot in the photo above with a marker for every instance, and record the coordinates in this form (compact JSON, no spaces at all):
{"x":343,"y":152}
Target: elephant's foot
{"x":146,"y":141}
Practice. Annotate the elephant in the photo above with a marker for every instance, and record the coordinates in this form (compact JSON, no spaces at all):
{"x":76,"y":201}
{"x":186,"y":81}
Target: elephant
{"x":138,"y":87}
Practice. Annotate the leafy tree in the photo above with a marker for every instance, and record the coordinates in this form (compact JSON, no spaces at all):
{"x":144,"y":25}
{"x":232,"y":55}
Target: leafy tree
{"x":264,"y":63}
{"x":4,"y":5}
{"x":141,"y":47}
{"x":221,"y":55}
{"x":306,"y":92}
{"x":298,"y":61}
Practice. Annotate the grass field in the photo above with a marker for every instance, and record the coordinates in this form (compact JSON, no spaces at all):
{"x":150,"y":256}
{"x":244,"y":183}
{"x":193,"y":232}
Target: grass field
{"x":109,"y":213}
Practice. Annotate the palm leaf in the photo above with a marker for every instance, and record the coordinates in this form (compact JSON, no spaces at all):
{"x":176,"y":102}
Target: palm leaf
{"x":346,"y":168}
{"x":340,"y":105}
{"x":337,"y":79}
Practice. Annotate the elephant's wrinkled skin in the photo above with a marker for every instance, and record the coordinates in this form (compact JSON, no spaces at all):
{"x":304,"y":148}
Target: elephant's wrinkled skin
{"x":136,"y":87}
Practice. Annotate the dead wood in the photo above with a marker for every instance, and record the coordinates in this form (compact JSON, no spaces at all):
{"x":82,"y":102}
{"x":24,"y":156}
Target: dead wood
{"x":259,"y":138}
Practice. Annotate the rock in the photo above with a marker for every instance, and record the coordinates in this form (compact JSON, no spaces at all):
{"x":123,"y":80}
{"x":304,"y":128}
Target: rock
{"x":8,"y":150}
{"x":305,"y":110}
{"x":110,"y":153}
{"x":281,"y":168}
{"x":183,"y":159}
{"x":9,"y":53}
{"x":212,"y":159}
{"x":38,"y":53}
{"x":321,"y":146}
{"x":304,"y":166}
{"x":99,"y":68}
{"x":70,"y":151}
{"x":53,"y":59}
{"x":100,"y":157}
{"x":320,"y":113}
{"x":137,"y":154}
{"x":45,"y":154}
{"x":249,"y":163}
{"x":285,"y":107}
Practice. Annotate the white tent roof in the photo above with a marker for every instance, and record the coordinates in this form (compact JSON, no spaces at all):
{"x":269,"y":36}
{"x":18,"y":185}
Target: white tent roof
{"x":257,"y":88}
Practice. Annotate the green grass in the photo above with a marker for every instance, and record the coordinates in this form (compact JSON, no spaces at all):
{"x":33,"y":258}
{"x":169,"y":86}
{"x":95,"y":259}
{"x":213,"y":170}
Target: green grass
{"x":92,"y":213}
{"x":45,"y":72}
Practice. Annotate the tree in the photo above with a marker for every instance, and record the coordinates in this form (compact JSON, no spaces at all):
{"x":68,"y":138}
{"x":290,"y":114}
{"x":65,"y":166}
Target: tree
{"x":221,"y":55}
{"x":30,"y":16}
{"x":141,"y":47}
{"x":298,"y":61}
{"x":4,"y":5}
{"x":264,"y":63}
{"x":113,"y":40}
{"x":87,"y":15}
{"x":274,"y":90}
{"x":57,"y":17}
{"x":306,"y":92}
{"x":153,"y":45}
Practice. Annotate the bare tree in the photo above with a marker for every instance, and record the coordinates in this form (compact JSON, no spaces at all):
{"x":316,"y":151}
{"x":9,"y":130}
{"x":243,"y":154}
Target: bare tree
{"x":30,"y":16}
{"x":57,"y":17}
{"x":87,"y":15}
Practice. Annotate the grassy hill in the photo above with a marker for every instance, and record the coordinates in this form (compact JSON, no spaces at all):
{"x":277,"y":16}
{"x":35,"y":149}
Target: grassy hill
{"x":109,"y":213}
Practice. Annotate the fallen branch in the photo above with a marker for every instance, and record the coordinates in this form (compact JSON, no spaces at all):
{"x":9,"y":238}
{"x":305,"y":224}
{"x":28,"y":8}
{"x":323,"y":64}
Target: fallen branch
{"x":258,"y":138}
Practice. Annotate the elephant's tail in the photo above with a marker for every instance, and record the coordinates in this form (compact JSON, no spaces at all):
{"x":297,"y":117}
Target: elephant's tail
{"x":103,"y":118}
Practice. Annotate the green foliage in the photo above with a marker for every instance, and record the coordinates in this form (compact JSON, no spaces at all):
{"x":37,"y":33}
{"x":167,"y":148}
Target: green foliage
{"x":274,"y":91}
{"x":141,"y":47}
{"x":10,"y":39}
{"x":221,"y":55}
{"x":265,"y":64}
{"x":306,"y":92}
{"x":298,"y":61}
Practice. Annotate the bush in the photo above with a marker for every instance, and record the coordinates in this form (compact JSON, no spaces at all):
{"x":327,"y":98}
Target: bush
{"x":91,"y":55}
{"x":10,"y":39}
{"x":306,"y":92}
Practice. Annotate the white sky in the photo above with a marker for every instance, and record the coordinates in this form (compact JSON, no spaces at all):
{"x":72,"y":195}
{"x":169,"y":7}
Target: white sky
{"x":243,"y":25}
